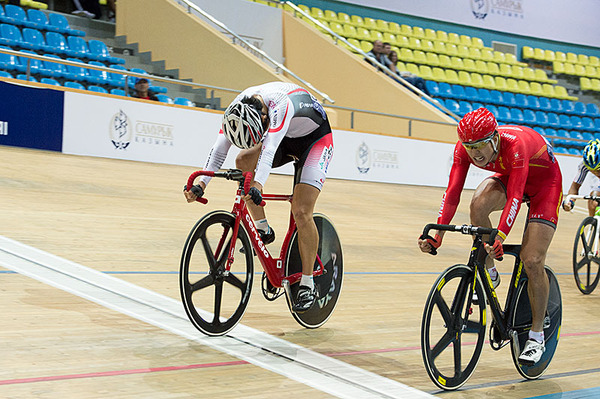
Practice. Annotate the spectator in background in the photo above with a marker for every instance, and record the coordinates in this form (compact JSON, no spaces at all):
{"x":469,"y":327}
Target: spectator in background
{"x":142,"y":90}
{"x":411,"y":78}
{"x":87,"y":8}
{"x":377,"y":54}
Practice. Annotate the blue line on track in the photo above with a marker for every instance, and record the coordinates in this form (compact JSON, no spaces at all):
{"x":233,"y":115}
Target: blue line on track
{"x":587,"y":393}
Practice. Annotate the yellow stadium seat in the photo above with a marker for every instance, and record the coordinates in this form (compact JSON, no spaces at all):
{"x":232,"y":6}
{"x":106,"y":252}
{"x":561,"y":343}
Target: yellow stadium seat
{"x":474,"y":53}
{"x":420,"y":57}
{"x":364,"y":46}
{"x":540,"y":75}
{"x":396,"y":49}
{"x":466,"y":40}
{"x":414,"y":43}
{"x":549,"y":91}
{"x":418,"y":32}
{"x":441,"y":35}
{"x":336,"y":27}
{"x":486,"y":54}
{"x":493,"y":68}
{"x":432,"y":59}
{"x":430,"y":34}
{"x":446,"y":62}
{"x":304,"y":8}
{"x":425,"y":72}
{"x":558,"y":67}
{"x":591,"y":71}
{"x":512,"y":85}
{"x":524,"y":87}
{"x":363,"y":34}
{"x":506,"y":70}
{"x":406,"y":55}
{"x":317,"y":13}
{"x":481,"y":67}
{"x":464,"y":78}
{"x":500,"y":83}
{"x":477,"y":42}
{"x":594,"y":61}
{"x":596,"y":84}
{"x":536,"y":89}
{"x":370,"y":23}
{"x":585,"y":84}
{"x":350,"y":31}
{"x":510,"y":59}
{"x":477,"y":81}
{"x":401,"y":66}
{"x":406,"y":30}
{"x":583,"y":59}
{"x":388,"y":37}
{"x":572,"y":58}
{"x":549,"y":56}
{"x":457,"y":63}
{"x":499,"y":57}
{"x":469,"y":64}
{"x":412,"y":68}
{"x":376,"y":35}
{"x":453,"y":38}
{"x":330,"y":16}
{"x":382,"y":26}
{"x":463,"y":51}
{"x":451,"y":49}
{"x":560,"y":56}
{"x":427,"y":45}
{"x":451,"y":76}
{"x":580,"y":70}
{"x":528,"y":74}
{"x":394,"y":28}
{"x":561,"y":92}
{"x":439,"y":47}
{"x":517,"y":72}
{"x":343,"y":18}
{"x":569,"y":68}
{"x":402,"y":40}
{"x":357,"y":21}
{"x":527,"y":53}
{"x":488,"y":81}
{"x":438,"y":74}
{"x":538,"y":54}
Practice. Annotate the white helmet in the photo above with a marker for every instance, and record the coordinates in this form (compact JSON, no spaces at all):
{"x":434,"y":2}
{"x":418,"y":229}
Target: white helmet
{"x":242,"y":125}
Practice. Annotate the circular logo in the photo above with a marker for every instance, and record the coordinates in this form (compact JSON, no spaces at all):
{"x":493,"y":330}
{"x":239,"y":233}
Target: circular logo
{"x":480,"y":8}
{"x":120,"y":130}
{"x":363,"y":158}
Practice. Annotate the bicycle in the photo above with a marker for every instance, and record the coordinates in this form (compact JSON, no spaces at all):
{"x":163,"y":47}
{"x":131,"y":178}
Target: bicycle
{"x":586,"y":250}
{"x":227,"y":264}
{"x":450,"y":313}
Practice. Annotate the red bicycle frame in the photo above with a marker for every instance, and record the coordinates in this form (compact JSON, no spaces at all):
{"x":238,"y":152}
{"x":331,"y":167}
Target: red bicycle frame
{"x":273,"y":267}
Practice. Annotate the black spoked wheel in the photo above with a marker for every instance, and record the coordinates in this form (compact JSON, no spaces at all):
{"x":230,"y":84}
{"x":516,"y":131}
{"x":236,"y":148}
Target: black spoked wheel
{"x":215,"y":299}
{"x":586,"y":260}
{"x":329,"y":284}
{"x":452,"y":331}
{"x":521,"y":323}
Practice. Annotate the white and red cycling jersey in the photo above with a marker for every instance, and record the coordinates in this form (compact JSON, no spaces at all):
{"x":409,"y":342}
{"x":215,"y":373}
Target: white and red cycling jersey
{"x":525,"y":166}
{"x":298,"y":130}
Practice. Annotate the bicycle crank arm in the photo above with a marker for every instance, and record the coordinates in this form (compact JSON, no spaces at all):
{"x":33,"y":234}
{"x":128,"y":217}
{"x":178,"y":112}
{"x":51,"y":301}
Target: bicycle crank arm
{"x":515,"y":339}
{"x":288,"y":291}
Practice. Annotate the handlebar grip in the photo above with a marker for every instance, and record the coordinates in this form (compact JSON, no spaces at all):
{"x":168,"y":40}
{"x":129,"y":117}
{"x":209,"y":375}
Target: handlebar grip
{"x":247,"y":180}
{"x":197,"y":173}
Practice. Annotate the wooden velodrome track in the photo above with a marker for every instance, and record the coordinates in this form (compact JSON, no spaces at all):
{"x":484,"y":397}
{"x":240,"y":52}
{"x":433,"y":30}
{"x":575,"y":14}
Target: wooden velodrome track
{"x":129,"y":221}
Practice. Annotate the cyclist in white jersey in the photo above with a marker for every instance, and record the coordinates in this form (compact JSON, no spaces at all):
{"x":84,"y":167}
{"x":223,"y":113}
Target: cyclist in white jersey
{"x":590,"y":163}
{"x":276,"y":123}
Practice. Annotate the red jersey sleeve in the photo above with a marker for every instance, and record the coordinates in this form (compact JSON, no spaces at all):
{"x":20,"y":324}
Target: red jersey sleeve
{"x":456,"y":182}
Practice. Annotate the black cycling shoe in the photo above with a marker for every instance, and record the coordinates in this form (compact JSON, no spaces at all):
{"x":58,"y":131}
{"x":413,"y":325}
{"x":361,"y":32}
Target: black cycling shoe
{"x":266,"y":238}
{"x":305,"y":299}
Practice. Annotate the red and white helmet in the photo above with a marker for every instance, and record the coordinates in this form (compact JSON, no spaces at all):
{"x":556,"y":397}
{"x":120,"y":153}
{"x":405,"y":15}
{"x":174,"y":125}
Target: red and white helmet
{"x":242,"y":125}
{"x":477,"y":125}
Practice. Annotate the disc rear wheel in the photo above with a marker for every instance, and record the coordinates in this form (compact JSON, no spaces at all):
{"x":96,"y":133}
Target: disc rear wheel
{"x":586,"y":259}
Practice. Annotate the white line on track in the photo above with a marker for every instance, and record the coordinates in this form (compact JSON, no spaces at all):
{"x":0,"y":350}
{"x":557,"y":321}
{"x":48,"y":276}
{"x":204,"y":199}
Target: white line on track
{"x":290,"y":360}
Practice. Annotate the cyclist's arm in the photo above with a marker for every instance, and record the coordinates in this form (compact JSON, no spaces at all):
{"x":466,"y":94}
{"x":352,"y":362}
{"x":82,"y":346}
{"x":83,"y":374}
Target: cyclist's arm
{"x":216,"y":157}
{"x":514,"y":196}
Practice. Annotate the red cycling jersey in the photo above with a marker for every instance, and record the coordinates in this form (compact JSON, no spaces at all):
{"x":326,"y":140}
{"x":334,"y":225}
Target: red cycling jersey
{"x":525,"y":165}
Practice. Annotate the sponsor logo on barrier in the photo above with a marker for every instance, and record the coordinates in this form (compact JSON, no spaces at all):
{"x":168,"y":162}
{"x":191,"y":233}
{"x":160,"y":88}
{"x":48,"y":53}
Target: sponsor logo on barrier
{"x":376,"y":159}
{"x":363,"y":158}
{"x":153,"y":133}
{"x":120,"y":130}
{"x":3,"y":128}
{"x":504,"y":8}
{"x":480,"y":8}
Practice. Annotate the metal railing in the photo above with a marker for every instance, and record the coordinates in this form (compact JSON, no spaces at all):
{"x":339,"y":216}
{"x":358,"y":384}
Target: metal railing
{"x":278,"y":66}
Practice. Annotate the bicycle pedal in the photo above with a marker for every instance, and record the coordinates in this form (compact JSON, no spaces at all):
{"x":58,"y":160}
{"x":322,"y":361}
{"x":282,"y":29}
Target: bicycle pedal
{"x":547,"y":321}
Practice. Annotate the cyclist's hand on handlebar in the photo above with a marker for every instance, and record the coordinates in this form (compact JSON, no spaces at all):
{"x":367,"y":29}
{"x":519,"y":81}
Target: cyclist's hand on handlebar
{"x":254,"y":195}
{"x":194,"y":193}
{"x":568,"y":204}
{"x":495,"y":251}
{"x":430,"y":244}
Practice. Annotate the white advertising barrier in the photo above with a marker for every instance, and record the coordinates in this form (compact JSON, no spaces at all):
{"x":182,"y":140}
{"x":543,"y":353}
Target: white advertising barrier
{"x":132,"y":130}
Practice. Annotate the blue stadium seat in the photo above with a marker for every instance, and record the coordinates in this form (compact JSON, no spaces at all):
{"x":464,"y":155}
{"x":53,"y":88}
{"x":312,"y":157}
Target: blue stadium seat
{"x":117,"y":79}
{"x":23,"y":76}
{"x":74,"y":85}
{"x":557,"y":105}
{"x":567,"y":106}
{"x":4,"y":74}
{"x":553,"y":119}
{"x":496,"y":97}
{"x":40,"y":20}
{"x":540,"y":130}
{"x":492,"y":109}
{"x":445,"y":89}
{"x":574,"y":151}
{"x":97,"y":89}
{"x":464,"y":107}
{"x":57,"y":70}
{"x":433,"y":88}
{"x":545,"y":104}
{"x":452,"y":105}
{"x":592,"y":110}
{"x":35,"y":66}
{"x":579,"y":108}
{"x":158,"y":89}
{"x":551,"y":132}
{"x":49,"y":81}
{"x":477,"y":105}
{"x":508,"y":99}
{"x":10,"y":35}
{"x":484,"y":96}
{"x":575,"y":134}
{"x":529,"y":117}
{"x":183,"y":101}
{"x":471,"y":94}
{"x":503,"y":115}
{"x":79,"y":47}
{"x":516,"y":116}
{"x":58,"y":44}
{"x":96,"y":76}
{"x":5,"y":19}
{"x":34,"y":40}
{"x":533,"y":102}
{"x":9,"y":61}
{"x":541,"y":118}
{"x":18,"y":15}
{"x":588,"y":136}
{"x":164,"y":99}
{"x":587,"y":124}
{"x":79,"y":73}
{"x":565,"y":121}
{"x":458,"y":92}
{"x":60,"y":22}
{"x":521,"y":100}
{"x":100,"y":52}
{"x":117,"y":92}
{"x":576,"y":122}
{"x":597,"y":124}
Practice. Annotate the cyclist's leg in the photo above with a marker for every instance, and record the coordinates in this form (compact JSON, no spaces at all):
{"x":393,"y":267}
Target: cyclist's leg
{"x":303,"y":205}
{"x":533,"y":254}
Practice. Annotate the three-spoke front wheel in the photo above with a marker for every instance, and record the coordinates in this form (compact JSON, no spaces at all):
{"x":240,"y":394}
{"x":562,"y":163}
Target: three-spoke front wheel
{"x":215,"y":298}
{"x":453,"y":328}
{"x":586,"y":259}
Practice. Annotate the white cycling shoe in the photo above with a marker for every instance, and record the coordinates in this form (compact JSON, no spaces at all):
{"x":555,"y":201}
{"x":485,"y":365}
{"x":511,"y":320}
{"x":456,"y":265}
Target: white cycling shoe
{"x":532,"y":353}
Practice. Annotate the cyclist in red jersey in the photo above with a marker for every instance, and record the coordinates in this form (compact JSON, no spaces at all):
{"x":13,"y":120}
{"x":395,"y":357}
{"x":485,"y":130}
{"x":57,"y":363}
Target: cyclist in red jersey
{"x":525,"y":167}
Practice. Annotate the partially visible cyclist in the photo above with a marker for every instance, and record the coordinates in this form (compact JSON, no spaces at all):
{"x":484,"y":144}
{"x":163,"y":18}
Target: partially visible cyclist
{"x":525,"y":166}
{"x":274,"y":124}
{"x":590,"y":163}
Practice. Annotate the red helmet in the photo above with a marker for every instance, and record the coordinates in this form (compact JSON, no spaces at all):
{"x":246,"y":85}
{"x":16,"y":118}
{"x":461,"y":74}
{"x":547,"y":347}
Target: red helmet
{"x":476,"y":125}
